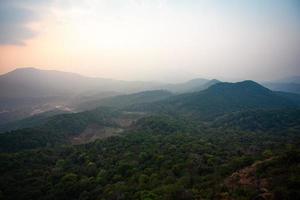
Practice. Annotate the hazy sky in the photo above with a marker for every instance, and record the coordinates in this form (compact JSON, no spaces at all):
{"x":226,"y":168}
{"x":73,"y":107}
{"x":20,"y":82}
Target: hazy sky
{"x":165,"y":40}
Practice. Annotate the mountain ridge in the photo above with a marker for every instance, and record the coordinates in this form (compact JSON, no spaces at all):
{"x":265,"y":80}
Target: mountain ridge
{"x":221,"y":98}
{"x":201,"y":107}
{"x":34,"y":82}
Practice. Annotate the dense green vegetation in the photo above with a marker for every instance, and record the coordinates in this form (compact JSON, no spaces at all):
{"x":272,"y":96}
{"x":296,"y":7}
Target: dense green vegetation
{"x":262,"y":120}
{"x":163,"y":158}
{"x":56,"y":130}
{"x":284,"y":171}
{"x":29,"y":122}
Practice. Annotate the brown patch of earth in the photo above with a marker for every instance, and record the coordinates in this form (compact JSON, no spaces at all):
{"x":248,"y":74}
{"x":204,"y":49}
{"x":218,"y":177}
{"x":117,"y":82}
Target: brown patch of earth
{"x":128,"y":118}
{"x":246,"y":178}
{"x":94,"y":132}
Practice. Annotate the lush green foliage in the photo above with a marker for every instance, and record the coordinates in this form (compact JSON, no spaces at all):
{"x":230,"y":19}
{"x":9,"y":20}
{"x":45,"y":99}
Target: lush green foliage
{"x":56,"y":130}
{"x":262,"y":120}
{"x":284,"y":171}
{"x":163,"y":158}
{"x":29,"y":122}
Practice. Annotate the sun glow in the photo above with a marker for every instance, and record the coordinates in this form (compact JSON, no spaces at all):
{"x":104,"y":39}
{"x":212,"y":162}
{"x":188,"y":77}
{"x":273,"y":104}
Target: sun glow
{"x":141,"y":39}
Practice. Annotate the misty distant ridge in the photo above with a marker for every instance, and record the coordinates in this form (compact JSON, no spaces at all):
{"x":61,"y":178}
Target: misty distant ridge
{"x":33,"y":82}
{"x":246,"y":86}
{"x":292,"y":79}
{"x":27,"y":91}
{"x":288,"y":84}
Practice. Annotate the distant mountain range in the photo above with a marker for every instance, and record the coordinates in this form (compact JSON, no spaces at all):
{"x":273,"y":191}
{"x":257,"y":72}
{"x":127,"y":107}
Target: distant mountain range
{"x":32,"y":82}
{"x":26,"y":92}
{"x":193,"y":85}
{"x":292,"y":79}
{"x":291,"y":84}
{"x":29,"y":91}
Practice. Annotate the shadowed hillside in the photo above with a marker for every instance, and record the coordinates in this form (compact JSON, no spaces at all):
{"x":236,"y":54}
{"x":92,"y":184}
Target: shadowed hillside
{"x":222,"y":98}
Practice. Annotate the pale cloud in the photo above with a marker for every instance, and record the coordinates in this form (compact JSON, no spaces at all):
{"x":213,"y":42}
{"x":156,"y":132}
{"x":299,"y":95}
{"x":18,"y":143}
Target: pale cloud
{"x":16,"y":17}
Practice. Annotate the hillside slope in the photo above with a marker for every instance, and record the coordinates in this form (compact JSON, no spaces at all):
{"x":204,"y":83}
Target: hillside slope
{"x":122,"y":101}
{"x":222,"y":98}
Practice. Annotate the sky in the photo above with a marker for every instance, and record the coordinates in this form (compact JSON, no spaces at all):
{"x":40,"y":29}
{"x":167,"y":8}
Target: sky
{"x":157,"y":40}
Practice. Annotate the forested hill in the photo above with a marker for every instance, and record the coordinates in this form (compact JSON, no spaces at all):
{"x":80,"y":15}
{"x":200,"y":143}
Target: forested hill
{"x":164,"y":158}
{"x":222,"y":98}
{"x":276,"y":121}
{"x":56,"y":129}
{"x":122,"y":101}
